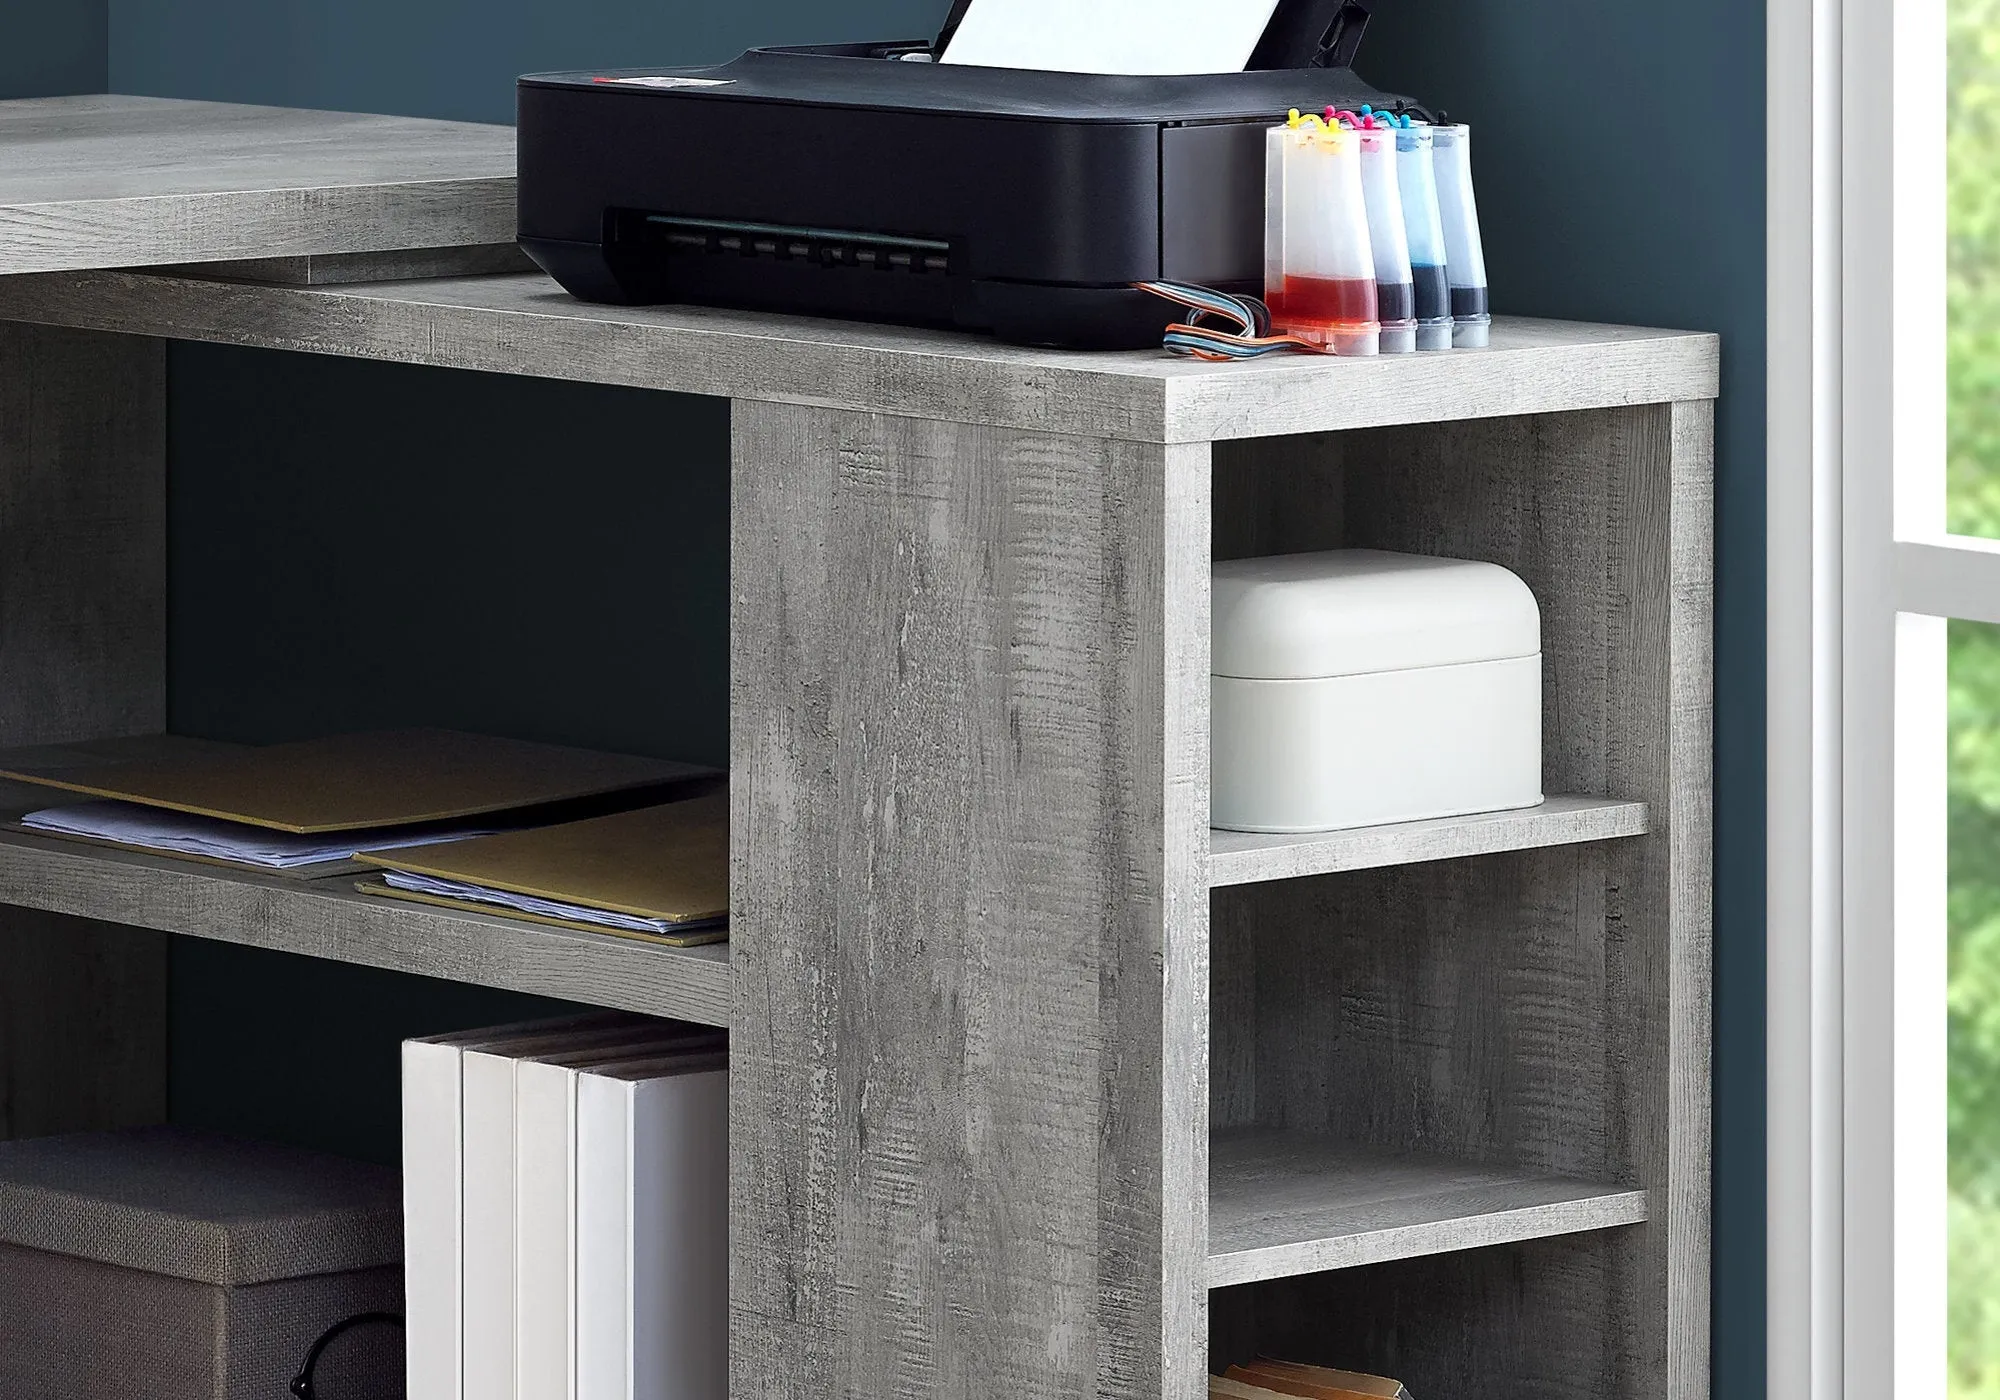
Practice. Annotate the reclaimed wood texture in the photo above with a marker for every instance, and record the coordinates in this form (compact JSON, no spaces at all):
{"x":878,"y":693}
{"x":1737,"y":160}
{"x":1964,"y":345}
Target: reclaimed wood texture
{"x":1546,"y":1011}
{"x":1513,"y":1322}
{"x":83,"y":556}
{"x":345,"y":269}
{"x":969,"y":912}
{"x":528,"y":325}
{"x":1285,"y":1203}
{"x":326,"y":917}
{"x":330,"y":919}
{"x":93,"y":182}
{"x":82,"y":655}
{"x":1243,"y":858}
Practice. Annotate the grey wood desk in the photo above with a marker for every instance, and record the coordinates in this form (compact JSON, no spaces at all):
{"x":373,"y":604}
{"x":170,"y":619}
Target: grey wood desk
{"x":1040,"y":1087}
{"x":131,"y":181}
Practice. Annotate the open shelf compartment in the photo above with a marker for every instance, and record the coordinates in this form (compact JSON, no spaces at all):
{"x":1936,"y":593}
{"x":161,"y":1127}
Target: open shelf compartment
{"x":328,"y":918}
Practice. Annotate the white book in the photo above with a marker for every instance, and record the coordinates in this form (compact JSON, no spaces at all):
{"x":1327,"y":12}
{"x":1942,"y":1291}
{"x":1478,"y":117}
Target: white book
{"x":431,"y":1218}
{"x":489,"y":1225}
{"x":545,"y":1208}
{"x":544,"y":1201}
{"x":433,"y":1200}
{"x":652,"y":1231}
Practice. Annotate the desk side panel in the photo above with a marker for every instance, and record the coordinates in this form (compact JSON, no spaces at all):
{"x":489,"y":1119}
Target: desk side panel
{"x":968,"y":1102}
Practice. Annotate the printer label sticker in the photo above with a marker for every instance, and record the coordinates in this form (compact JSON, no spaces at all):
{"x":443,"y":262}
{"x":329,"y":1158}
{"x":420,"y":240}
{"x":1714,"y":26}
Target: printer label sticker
{"x":664,"y":81}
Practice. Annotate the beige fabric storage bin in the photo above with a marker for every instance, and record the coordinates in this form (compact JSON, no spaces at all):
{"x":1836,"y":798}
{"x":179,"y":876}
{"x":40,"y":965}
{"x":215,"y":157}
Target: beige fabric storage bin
{"x":185,"y":1266}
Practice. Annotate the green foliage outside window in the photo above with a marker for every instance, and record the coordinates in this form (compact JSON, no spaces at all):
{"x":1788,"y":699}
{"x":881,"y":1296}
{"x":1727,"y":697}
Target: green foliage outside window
{"x":1973,"y":127}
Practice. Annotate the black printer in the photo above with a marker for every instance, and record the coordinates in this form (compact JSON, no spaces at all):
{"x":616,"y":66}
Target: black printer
{"x":871,"y":182}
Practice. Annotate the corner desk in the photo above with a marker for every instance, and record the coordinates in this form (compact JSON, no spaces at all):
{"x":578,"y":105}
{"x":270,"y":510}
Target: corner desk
{"x":1039,"y":1086}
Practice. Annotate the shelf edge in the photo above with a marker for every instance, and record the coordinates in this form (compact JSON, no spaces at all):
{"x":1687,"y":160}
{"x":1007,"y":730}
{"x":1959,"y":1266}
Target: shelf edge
{"x":1561,"y":821}
{"x":1612,"y":1210}
{"x":328,"y":919}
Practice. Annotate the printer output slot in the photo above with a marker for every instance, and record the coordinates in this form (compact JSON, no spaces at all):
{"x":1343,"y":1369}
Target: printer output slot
{"x":689,"y":237}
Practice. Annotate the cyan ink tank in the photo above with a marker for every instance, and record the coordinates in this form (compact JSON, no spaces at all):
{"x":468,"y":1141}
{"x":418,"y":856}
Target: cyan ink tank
{"x":1424,"y":226}
{"x":1319,"y":267}
{"x":1395,"y":296}
{"x":1465,"y":257}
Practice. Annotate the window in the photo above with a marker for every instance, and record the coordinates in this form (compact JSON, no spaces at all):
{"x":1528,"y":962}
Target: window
{"x":1972,"y":482}
{"x":1884,"y":687}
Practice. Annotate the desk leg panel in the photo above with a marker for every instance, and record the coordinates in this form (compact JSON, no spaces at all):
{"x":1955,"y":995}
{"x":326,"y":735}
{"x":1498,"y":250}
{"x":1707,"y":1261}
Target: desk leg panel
{"x":969,"y":930}
{"x":83,"y":595}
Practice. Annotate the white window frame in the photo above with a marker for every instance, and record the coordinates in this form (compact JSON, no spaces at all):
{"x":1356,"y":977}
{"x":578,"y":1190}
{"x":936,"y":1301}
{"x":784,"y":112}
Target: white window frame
{"x":1860,"y":576}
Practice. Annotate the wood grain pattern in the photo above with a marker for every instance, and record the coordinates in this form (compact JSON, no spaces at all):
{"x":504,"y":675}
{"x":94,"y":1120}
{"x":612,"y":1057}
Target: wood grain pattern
{"x":1287,"y":1203}
{"x":346,"y":269}
{"x":1243,"y":858}
{"x":330,"y":919}
{"x":1456,"y":1008}
{"x":82,"y":655}
{"x":963,"y":967}
{"x":1278,"y":495}
{"x":528,"y":325}
{"x":985,"y":1005}
{"x":88,"y":182}
{"x":83,"y":563}
{"x":1514,"y":1322}
{"x":1184,"y":1161}
{"x":1670,"y":658}
{"x":1545,"y":1011}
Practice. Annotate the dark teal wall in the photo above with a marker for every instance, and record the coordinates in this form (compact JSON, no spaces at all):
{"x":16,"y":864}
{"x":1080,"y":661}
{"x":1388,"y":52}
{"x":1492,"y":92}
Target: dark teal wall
{"x":1620,"y":164}
{"x":453,"y":58}
{"x":52,"y":47}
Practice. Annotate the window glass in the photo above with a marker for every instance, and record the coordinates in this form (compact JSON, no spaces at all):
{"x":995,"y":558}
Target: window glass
{"x":1973,"y":266}
{"x":1973,"y":998}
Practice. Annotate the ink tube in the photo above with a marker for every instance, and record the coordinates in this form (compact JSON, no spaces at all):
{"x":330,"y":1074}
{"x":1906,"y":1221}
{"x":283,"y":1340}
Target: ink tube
{"x":1424,"y":226}
{"x":1319,"y":269}
{"x":1465,"y":258}
{"x":1395,"y":296}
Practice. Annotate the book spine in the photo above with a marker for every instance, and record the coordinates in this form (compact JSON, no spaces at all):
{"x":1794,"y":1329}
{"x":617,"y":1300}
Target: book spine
{"x":488,"y":1251}
{"x":570,"y":1234}
{"x":602,"y":1346}
{"x":543,"y":1200}
{"x":432,"y":1219}
{"x":678,"y":1301}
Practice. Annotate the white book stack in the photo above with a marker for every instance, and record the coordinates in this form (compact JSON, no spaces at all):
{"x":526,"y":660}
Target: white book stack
{"x":565,"y":1190}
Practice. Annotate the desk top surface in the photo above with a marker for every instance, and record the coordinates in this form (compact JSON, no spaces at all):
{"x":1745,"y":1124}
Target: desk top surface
{"x":110,"y":181}
{"x":91,"y":184}
{"x":526,"y":324}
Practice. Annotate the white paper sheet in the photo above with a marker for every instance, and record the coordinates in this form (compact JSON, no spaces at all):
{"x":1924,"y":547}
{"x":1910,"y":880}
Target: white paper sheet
{"x":530,"y":904}
{"x":1111,"y":36}
{"x":179,"y":833}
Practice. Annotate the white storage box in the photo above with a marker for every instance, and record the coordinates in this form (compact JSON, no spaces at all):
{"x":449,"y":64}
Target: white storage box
{"x":1356,"y":687}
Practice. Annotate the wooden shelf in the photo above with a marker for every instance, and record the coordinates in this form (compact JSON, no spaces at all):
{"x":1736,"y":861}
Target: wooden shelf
{"x":1243,"y":858}
{"x":329,"y":918}
{"x":1286,"y":1203}
{"x":128,"y":181}
{"x":526,"y":324}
